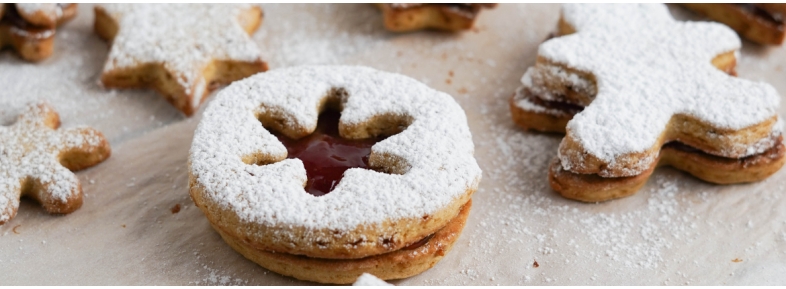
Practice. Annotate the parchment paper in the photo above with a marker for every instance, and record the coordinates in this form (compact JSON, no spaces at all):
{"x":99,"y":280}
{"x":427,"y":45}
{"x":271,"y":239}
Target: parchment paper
{"x":677,"y":230}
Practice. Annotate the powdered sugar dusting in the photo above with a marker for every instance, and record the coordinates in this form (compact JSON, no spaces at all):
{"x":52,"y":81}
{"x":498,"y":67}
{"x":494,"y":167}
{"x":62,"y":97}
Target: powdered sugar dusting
{"x":436,"y":147}
{"x":311,"y":40}
{"x":182,"y":37}
{"x":620,"y":241}
{"x":30,"y":149}
{"x":646,"y":75}
{"x":51,"y":10}
{"x":367,"y":279}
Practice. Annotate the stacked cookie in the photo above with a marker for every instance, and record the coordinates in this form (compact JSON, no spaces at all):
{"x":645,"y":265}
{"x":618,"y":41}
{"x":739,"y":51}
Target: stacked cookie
{"x":394,"y":220}
{"x":634,"y":89}
{"x":29,"y":28}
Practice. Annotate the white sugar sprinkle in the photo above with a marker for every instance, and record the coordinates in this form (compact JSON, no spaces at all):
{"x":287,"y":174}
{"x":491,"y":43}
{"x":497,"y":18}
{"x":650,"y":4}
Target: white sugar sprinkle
{"x":367,"y":279}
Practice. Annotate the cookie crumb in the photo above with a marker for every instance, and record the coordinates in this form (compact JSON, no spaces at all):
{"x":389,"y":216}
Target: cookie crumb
{"x":175,"y":209}
{"x":535,"y":264}
{"x":736,"y":260}
{"x":14,"y":229}
{"x":123,"y":225}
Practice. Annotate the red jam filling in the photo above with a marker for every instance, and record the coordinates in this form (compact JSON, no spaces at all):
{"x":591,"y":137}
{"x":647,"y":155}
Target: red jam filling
{"x":326,"y":155}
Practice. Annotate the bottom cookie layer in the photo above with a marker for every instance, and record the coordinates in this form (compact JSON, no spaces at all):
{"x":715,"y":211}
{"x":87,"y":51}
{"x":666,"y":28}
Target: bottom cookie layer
{"x":403,"y":263}
{"x":714,"y":169}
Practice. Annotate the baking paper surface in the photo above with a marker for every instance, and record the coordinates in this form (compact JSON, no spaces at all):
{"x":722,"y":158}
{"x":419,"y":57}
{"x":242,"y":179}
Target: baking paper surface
{"x":676,"y":230}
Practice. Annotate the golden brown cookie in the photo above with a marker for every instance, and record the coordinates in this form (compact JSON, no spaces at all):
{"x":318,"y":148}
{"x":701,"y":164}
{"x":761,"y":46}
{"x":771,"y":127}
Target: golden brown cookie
{"x":404,"y":17}
{"x":629,"y":100}
{"x":183,"y":51}
{"x":36,"y":160}
{"x":29,"y":28}
{"x":418,"y":176}
{"x":760,"y":23}
{"x":406,"y":262}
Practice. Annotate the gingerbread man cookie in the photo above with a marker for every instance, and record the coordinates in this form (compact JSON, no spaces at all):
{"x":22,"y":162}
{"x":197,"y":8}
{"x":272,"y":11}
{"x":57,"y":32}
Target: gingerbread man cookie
{"x":29,"y":28}
{"x":181,"y":50}
{"x":36,"y":160}
{"x":763,"y":23}
{"x":405,"y":17}
{"x":633,"y":88}
{"x":394,"y":218}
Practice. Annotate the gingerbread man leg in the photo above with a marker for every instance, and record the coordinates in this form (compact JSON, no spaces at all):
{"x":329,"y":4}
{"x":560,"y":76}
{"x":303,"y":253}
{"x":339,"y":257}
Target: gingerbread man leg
{"x":56,"y":188}
{"x":89,"y":148}
{"x":9,"y":203}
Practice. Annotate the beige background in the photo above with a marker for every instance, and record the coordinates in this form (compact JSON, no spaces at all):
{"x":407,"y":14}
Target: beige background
{"x":677,"y":230}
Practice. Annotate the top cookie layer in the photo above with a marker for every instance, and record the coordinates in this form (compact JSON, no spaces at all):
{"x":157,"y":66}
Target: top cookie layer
{"x":649,"y":67}
{"x":430,"y":163}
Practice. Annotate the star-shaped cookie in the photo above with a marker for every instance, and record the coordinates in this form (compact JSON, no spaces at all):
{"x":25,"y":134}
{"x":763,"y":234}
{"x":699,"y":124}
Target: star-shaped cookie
{"x":36,"y":159}
{"x":181,"y":50}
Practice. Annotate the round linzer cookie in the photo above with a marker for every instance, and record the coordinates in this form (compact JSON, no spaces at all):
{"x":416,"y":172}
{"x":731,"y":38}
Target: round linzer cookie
{"x":632,"y":89}
{"x":326,"y":172}
{"x":405,"y":17}
{"x":181,"y":50}
{"x":36,"y":160}
{"x":29,"y":28}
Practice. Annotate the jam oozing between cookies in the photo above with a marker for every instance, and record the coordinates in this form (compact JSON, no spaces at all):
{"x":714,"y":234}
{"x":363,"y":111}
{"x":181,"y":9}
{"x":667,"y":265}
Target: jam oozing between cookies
{"x":326,"y":155}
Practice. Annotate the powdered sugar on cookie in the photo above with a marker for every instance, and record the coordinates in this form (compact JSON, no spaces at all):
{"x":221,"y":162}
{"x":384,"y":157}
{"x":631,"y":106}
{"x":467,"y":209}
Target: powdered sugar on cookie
{"x":649,"y":67}
{"x":184,"y":38}
{"x":30,"y":154}
{"x":49,"y":9}
{"x":435,"y":149}
{"x":370,"y":280}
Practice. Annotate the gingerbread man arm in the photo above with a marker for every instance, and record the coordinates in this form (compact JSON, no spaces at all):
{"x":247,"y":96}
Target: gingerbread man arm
{"x":85,"y":148}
